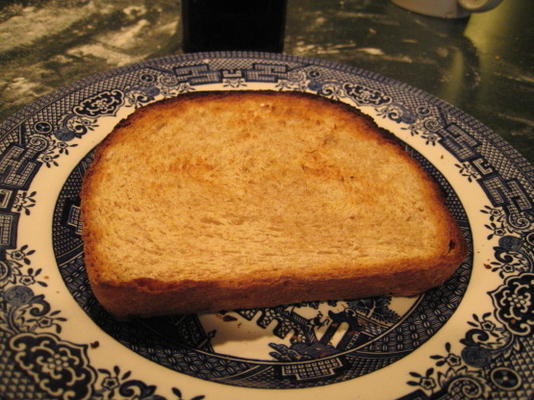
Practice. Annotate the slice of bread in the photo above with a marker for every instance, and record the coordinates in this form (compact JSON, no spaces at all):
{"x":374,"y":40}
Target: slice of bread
{"x":219,"y":201}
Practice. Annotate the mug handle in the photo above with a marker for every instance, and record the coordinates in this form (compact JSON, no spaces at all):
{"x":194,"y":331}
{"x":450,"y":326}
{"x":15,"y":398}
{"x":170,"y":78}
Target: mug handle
{"x":478,"y":5}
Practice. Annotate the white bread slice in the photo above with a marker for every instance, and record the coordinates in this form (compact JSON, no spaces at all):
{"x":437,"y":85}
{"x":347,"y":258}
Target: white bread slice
{"x":234,"y":200}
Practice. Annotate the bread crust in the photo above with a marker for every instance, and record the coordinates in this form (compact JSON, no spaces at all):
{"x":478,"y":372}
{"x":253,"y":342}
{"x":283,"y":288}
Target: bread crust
{"x":150,"y":296}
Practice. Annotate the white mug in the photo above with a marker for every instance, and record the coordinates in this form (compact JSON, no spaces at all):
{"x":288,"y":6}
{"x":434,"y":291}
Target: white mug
{"x":447,"y":8}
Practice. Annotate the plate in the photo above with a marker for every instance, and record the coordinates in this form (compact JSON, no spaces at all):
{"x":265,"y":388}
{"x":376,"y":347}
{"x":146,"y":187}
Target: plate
{"x":471,"y":338}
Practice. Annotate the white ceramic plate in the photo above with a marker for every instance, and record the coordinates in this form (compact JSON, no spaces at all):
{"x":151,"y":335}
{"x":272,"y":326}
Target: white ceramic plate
{"x":470,"y":338}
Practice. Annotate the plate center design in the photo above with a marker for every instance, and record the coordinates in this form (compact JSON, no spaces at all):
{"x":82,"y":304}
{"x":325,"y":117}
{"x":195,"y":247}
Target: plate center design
{"x":303,"y":331}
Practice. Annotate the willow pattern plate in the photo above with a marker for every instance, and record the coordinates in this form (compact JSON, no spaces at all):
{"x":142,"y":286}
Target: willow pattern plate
{"x":468,"y":339}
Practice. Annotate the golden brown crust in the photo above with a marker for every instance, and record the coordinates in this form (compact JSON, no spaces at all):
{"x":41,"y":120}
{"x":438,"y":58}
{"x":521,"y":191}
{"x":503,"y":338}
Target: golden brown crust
{"x":149,"y":296}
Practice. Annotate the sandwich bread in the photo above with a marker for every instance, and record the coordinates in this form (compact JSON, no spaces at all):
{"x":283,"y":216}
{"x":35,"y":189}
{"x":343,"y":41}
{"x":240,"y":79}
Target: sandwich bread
{"x":227,"y":200}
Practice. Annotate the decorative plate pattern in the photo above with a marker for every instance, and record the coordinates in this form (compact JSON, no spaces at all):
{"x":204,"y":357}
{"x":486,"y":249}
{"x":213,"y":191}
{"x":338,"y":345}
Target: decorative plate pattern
{"x":471,"y":338}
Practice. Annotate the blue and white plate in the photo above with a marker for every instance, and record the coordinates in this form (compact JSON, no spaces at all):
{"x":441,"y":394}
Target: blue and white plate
{"x":471,"y":338}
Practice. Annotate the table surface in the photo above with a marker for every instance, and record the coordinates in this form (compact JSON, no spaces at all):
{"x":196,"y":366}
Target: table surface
{"x":482,"y":64}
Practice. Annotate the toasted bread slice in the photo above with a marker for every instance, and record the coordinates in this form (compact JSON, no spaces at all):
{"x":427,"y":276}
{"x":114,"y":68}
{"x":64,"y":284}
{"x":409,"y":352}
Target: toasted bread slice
{"x":246,"y":199}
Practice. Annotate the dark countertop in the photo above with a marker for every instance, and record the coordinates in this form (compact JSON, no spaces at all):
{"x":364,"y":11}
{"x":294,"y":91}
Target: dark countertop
{"x":483,"y":64}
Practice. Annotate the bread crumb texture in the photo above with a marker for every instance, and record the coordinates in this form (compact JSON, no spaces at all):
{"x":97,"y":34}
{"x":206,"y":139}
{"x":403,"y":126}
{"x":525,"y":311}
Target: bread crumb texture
{"x":232,"y":188}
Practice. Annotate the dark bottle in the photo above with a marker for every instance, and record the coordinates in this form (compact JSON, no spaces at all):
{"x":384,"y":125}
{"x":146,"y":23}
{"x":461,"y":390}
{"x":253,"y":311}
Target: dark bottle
{"x":233,"y":25}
